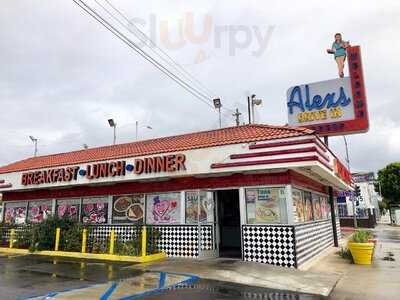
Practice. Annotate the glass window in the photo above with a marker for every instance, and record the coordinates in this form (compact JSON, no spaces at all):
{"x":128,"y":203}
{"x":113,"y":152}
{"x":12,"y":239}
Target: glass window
{"x":68,"y":208}
{"x":342,"y":209}
{"x":308,"y":207}
{"x":325,"y":209}
{"x":298,"y":206}
{"x":163,"y":208}
{"x":316,"y":206}
{"x":128,"y":209}
{"x":39,"y":210}
{"x":95,"y":210}
{"x":265,"y":205}
{"x":206,"y":207}
{"x":15,"y":213}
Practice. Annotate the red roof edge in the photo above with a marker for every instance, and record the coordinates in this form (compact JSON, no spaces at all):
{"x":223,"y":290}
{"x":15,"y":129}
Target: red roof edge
{"x":182,"y":142}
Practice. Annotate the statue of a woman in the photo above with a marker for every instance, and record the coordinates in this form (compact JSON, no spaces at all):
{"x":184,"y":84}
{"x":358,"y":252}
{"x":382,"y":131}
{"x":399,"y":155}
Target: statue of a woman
{"x":338,"y":49}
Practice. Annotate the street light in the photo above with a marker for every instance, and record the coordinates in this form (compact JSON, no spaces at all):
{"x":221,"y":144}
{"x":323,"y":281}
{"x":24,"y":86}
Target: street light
{"x":251,"y":102}
{"x":143,"y":126}
{"x":254,"y":102}
{"x":218,"y":105}
{"x":114,"y":125}
{"x":34,"y":141}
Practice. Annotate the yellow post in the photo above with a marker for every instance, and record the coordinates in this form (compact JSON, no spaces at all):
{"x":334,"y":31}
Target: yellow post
{"x":58,"y":231}
{"x":112,"y":241}
{"x":144,"y":241}
{"x":12,"y":237}
{"x":84,"y":240}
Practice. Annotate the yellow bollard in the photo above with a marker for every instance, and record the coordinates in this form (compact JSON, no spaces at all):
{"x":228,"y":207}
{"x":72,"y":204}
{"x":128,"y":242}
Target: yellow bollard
{"x":112,"y":241}
{"x":58,"y":231}
{"x":12,"y":237}
{"x":84,"y":240}
{"x":144,"y":241}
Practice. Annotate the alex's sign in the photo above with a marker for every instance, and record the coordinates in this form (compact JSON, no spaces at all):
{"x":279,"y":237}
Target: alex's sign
{"x":320,"y":102}
{"x":332,"y":107}
{"x":147,"y":165}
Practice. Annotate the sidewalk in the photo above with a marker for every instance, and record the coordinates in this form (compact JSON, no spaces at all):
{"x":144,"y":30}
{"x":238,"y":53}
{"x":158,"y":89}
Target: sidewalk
{"x":381,"y":280}
{"x":248,"y":273}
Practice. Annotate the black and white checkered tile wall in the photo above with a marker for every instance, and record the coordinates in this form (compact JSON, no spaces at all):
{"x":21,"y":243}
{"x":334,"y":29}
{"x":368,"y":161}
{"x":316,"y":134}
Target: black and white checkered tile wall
{"x":123,"y":233}
{"x":339,"y":233}
{"x":175,"y":240}
{"x":312,"y":238}
{"x":182,"y":240}
{"x":269,"y":244}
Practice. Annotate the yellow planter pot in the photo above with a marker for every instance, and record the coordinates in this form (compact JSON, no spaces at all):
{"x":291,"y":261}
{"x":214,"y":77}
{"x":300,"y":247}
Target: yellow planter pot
{"x":361,"y":252}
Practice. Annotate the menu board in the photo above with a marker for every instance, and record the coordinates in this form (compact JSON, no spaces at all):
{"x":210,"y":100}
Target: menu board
{"x":39,"y":211}
{"x":68,"y":208}
{"x":95,"y":211}
{"x":163,"y":208}
{"x":263,"y":205}
{"x":325,"y":208}
{"x":316,"y":207}
{"x":128,"y":209}
{"x":298,"y":206}
{"x":308,"y":208}
{"x":15,"y":213}
{"x":192,"y":207}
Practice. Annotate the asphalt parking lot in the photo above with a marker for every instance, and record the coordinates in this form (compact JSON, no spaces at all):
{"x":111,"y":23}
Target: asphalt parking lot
{"x":33,"y":277}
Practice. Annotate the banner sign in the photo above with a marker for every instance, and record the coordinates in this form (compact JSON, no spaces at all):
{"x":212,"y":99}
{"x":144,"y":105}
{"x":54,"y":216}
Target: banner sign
{"x":147,"y":165}
{"x":366,"y":177}
{"x":332,"y":107}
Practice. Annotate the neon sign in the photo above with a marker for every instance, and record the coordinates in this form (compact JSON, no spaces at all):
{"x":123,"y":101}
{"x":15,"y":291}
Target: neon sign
{"x":332,"y":107}
{"x":147,"y":165}
{"x":317,"y":102}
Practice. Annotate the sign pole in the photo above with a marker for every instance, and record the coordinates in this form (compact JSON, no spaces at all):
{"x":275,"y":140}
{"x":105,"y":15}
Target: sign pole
{"x":332,"y":206}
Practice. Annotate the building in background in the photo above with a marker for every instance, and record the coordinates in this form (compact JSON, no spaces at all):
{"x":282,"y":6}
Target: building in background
{"x":367,"y":202}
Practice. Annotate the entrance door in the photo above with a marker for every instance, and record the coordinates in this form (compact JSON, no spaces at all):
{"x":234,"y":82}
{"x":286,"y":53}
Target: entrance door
{"x":229,"y":223}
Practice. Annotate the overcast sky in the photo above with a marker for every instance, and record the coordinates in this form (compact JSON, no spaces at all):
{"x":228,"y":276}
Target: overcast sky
{"x":63,"y":75}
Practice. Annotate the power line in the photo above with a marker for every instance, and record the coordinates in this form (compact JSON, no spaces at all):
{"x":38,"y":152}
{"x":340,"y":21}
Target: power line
{"x":145,"y":38}
{"x":90,"y":11}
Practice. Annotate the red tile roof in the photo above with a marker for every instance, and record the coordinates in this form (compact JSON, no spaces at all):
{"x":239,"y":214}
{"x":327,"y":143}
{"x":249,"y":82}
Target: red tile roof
{"x":196,"y":140}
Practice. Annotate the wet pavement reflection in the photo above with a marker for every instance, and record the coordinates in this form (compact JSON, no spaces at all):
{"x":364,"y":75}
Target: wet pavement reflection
{"x":213,"y":290}
{"x":27,"y":276}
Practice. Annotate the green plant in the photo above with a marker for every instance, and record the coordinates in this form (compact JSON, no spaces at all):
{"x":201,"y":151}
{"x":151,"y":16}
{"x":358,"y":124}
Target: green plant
{"x":345,"y":254}
{"x":129,"y":248}
{"x":389,"y":179}
{"x":44,"y":233}
{"x":153,"y":236}
{"x":361,"y":236}
{"x":23,"y":237}
{"x":98,"y":246}
{"x":71,"y":238}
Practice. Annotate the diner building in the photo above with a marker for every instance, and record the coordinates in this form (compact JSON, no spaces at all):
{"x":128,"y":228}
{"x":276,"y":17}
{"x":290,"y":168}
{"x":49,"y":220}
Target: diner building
{"x":254,"y":192}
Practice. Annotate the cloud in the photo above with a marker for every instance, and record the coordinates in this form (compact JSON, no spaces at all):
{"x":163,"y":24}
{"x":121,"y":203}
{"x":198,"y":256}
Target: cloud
{"x":64,"y":75}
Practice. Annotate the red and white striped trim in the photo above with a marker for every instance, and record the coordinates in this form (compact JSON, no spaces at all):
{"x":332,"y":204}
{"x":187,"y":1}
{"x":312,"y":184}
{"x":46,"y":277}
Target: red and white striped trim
{"x":307,"y":149}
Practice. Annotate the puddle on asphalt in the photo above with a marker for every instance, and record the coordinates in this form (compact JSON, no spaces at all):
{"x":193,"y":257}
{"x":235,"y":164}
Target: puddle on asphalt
{"x":389,"y":256}
{"x":212,"y":290}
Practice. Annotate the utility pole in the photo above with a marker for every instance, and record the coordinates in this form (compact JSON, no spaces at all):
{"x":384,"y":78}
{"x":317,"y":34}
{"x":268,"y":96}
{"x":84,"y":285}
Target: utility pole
{"x":351,"y":195}
{"x":34,"y":141}
{"x":251,"y":102}
{"x":237,"y":115}
{"x":248,"y":108}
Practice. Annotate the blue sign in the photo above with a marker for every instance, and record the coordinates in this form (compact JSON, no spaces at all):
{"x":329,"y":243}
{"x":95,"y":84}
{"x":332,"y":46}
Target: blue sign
{"x":309,"y":102}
